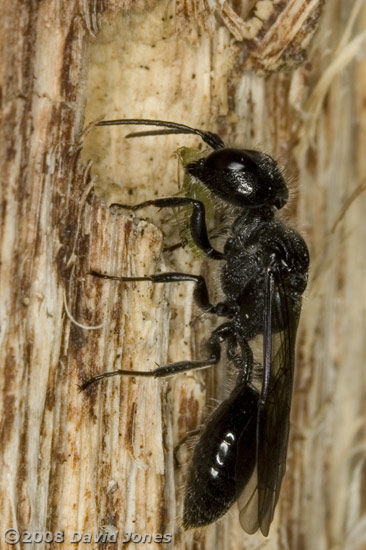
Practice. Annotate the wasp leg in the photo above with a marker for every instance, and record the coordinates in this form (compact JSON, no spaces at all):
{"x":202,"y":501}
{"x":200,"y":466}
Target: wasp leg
{"x":184,"y":242}
{"x":213,"y":345}
{"x":198,"y":220}
{"x":243,"y":361}
{"x":200,"y":292}
{"x":175,"y":246}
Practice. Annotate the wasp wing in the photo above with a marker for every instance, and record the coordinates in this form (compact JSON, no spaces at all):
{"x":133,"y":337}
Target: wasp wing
{"x":258,"y":501}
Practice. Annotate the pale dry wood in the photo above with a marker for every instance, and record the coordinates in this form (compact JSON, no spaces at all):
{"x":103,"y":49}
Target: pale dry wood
{"x":104,"y":460}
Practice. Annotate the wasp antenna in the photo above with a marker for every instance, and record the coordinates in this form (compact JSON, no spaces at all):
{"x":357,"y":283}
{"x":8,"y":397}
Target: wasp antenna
{"x":213,"y":140}
{"x":156,"y":133}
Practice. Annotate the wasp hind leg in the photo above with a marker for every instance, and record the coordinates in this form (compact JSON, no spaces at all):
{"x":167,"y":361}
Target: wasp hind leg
{"x":214,"y":348}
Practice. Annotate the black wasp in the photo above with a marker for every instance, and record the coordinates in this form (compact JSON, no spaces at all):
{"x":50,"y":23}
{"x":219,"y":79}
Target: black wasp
{"x":241,"y":453}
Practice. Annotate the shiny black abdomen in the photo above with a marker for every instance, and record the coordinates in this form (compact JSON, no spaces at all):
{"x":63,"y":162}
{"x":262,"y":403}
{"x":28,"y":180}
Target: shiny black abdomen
{"x":223,"y":459}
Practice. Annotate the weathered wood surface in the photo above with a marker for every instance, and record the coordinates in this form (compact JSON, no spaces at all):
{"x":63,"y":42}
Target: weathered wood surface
{"x":260,"y":76}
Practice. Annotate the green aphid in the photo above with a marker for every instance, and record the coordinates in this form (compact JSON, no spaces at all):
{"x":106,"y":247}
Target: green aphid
{"x":192,"y":187}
